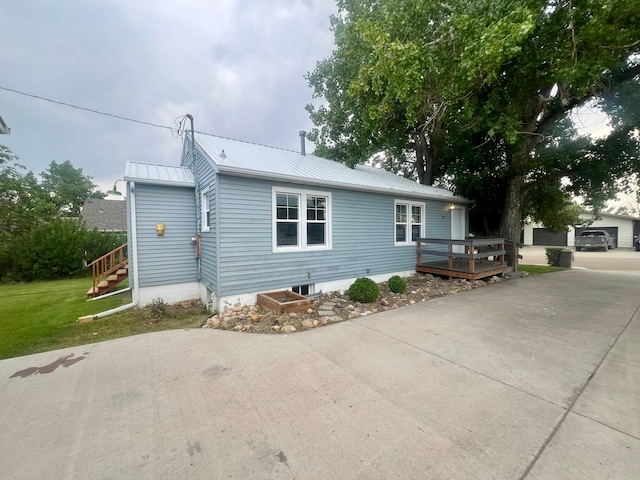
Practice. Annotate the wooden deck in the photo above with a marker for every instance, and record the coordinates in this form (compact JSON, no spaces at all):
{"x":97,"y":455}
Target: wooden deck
{"x":471,"y":259}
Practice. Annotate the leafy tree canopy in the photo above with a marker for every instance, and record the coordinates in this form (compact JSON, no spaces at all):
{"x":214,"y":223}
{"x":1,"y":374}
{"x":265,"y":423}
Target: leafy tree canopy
{"x":478,"y":93}
{"x":68,"y":187}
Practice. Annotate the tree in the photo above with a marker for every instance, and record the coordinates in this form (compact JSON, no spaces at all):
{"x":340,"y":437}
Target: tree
{"x":459,"y":86}
{"x":68,"y":187}
{"x":23,"y":204}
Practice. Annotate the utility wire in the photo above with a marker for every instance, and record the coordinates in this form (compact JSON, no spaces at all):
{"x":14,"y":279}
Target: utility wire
{"x":175,"y":132}
{"x":87,"y":109}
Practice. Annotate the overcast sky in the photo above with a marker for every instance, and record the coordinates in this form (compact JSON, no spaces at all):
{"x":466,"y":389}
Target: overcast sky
{"x":236,"y":65}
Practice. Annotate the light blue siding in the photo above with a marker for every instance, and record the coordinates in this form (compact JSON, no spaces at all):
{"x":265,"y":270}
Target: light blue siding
{"x":363,"y":238}
{"x":169,"y":259}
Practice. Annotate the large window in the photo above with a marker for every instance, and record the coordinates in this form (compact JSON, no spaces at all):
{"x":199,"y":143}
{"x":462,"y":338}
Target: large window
{"x":409,"y":222}
{"x":301,"y":220}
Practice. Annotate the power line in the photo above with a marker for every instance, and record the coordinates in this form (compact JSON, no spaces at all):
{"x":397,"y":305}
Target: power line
{"x":176,"y":132}
{"x":88,"y":109}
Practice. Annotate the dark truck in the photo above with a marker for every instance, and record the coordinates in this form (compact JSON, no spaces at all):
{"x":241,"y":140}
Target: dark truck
{"x":595,"y":239}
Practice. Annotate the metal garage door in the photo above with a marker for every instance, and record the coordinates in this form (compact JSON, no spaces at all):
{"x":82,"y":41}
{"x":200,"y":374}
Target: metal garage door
{"x":541,"y":236}
{"x":613,"y":231}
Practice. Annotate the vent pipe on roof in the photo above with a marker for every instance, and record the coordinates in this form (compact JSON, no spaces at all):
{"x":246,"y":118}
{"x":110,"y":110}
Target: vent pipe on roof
{"x":302,"y":134}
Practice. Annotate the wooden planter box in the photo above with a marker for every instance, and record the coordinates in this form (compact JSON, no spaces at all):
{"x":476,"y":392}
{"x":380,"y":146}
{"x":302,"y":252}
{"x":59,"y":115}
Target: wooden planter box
{"x":283,"y":301}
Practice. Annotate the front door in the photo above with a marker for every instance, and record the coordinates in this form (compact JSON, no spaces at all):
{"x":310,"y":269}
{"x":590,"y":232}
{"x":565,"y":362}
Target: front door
{"x":457,"y":228}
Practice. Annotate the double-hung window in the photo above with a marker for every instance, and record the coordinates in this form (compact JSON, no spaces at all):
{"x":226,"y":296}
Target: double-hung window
{"x":301,"y":220}
{"x":205,"y":211}
{"x":409,"y":222}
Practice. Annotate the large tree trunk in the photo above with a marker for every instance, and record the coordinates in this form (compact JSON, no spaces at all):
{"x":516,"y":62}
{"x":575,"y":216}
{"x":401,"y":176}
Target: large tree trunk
{"x":511,"y":219}
{"x":425,"y":158}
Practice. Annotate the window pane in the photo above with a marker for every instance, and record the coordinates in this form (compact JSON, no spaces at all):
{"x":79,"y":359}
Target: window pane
{"x":315,"y":233}
{"x":282,"y":213}
{"x":293,"y":200}
{"x":281,"y":200}
{"x":415,"y":233}
{"x":293,"y":213}
{"x":401,"y":233}
{"x":416,"y":214}
{"x":311,"y":214}
{"x":321,"y":215}
{"x":401,"y":213}
{"x":287,"y":234}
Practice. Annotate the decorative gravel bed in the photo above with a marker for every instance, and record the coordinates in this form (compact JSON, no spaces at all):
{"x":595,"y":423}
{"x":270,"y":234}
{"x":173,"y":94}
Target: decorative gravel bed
{"x":333,"y":307}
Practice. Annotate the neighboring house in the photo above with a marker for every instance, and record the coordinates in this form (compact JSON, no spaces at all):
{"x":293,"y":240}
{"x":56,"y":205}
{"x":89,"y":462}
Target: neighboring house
{"x":239,"y":218}
{"x":622,"y":227}
{"x":4,"y":129}
{"x":104,"y":215}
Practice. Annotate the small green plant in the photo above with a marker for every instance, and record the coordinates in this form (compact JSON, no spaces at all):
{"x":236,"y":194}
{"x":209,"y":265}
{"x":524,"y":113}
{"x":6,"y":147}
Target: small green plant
{"x":397,"y":284}
{"x":364,"y":290}
{"x":553,"y":256}
{"x":158,"y":308}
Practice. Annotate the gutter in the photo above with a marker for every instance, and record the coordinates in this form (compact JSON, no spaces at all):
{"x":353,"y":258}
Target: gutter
{"x":133,"y":262}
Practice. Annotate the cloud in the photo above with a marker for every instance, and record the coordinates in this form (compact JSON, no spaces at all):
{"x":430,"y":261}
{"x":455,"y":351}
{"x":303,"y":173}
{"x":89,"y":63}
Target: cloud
{"x":236,"y":66}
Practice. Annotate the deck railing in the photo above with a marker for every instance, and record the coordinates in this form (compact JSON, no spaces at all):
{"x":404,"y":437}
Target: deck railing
{"x":474,"y":249}
{"x":108,"y":264}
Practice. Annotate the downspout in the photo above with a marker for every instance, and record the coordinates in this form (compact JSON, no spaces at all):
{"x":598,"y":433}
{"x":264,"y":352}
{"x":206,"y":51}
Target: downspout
{"x":197,"y":191}
{"x":133,"y":261}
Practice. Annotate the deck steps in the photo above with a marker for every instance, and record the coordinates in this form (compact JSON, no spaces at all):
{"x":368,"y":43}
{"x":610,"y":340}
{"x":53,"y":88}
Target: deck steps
{"x":111,"y":282}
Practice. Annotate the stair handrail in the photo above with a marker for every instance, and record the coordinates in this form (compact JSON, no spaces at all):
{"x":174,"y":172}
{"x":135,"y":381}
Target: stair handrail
{"x":108,"y":263}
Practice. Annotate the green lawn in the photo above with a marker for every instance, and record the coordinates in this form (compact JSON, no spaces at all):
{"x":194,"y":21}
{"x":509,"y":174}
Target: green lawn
{"x":42,"y":316}
{"x":537,"y":269}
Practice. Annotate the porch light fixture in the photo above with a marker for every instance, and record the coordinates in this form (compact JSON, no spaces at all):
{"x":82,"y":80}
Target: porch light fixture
{"x":160,"y":229}
{"x":114,"y":191}
{"x":452,"y":206}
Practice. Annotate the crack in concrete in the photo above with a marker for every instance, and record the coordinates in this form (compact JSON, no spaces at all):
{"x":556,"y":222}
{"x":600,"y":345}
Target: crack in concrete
{"x":579,"y":393}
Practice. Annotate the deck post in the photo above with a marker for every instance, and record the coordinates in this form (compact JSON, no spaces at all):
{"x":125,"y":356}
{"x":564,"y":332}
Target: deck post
{"x":419,"y":256}
{"x":450,"y":264}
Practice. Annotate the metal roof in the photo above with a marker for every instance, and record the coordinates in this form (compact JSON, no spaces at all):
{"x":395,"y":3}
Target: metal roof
{"x":159,"y":174}
{"x":258,"y":161}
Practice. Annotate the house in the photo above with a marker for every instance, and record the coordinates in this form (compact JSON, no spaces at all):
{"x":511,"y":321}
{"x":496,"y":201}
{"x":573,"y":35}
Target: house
{"x":622,"y":227}
{"x":104,"y":215}
{"x":236,"y":219}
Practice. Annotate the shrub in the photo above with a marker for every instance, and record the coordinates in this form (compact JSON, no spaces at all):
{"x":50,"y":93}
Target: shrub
{"x":397,"y":284}
{"x":364,"y":290}
{"x":158,"y":308}
{"x":553,"y":256}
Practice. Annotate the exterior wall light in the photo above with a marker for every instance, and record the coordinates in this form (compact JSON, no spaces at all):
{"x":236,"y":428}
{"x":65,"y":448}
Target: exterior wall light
{"x":160,"y":229}
{"x":452,"y":206}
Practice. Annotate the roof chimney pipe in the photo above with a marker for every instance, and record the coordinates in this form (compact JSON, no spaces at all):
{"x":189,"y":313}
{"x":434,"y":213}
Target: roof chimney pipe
{"x":302,"y":134}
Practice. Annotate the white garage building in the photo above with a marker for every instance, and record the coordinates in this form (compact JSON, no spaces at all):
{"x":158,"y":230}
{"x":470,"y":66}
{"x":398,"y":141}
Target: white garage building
{"x":622,"y":227}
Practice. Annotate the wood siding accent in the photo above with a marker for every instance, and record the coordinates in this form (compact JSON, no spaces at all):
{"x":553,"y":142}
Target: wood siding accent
{"x":169,"y":259}
{"x":362,"y":244}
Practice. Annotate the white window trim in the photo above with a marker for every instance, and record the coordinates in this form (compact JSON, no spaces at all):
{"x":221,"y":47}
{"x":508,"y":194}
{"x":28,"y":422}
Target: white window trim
{"x":423,"y":214}
{"x":204,"y":195}
{"x":302,"y":224}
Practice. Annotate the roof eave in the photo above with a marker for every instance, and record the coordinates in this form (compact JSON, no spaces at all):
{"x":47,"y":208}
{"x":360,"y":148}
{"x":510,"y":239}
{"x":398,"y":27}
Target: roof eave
{"x":167,"y":183}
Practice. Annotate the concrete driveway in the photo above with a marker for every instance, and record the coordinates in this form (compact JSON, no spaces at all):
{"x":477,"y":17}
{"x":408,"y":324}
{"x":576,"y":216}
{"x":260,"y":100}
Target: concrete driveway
{"x":535,"y":378}
{"x":618,"y":259}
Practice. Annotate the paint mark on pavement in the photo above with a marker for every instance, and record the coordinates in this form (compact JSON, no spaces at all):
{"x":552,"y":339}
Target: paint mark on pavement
{"x":65,"y":362}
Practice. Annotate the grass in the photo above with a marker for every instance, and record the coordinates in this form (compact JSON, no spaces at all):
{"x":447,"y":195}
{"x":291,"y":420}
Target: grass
{"x":538,"y":269}
{"x":42,"y":316}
